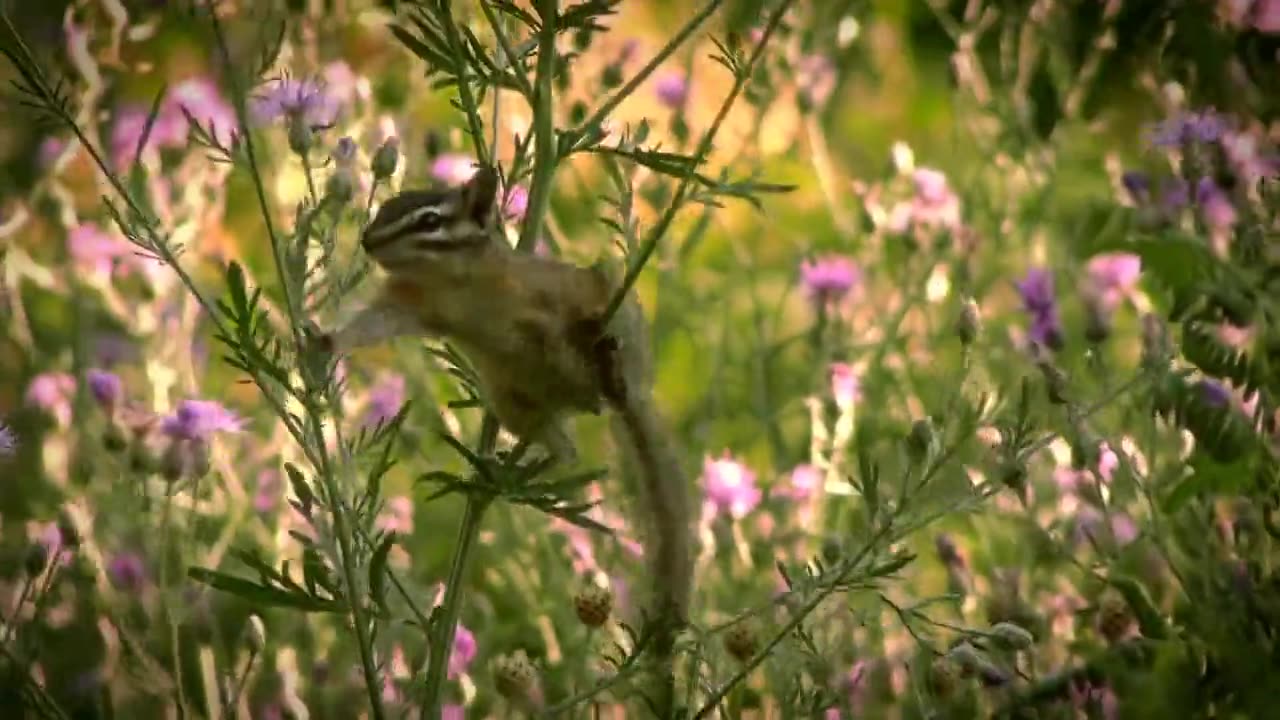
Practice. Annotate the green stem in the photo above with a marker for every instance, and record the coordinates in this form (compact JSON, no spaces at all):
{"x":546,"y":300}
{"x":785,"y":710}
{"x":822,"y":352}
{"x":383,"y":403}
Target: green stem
{"x":442,"y":634}
{"x":166,"y":596}
{"x":505,"y":43}
{"x":465,"y":98}
{"x":686,"y":180}
{"x":544,"y":130}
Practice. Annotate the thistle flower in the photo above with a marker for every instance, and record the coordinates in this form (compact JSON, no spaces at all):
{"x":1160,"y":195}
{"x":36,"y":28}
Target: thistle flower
{"x":1040,"y":304}
{"x":672,"y":89}
{"x":386,"y":158}
{"x":201,"y":99}
{"x":385,"y":400}
{"x":730,"y":486}
{"x":1112,"y":276}
{"x":815,"y":80}
{"x":127,"y":571}
{"x":1138,"y":185}
{"x":106,"y":388}
{"x":803,"y":482}
{"x":303,"y":101}
{"x":1204,"y":126}
{"x":829,"y":279}
{"x":1266,"y":16}
{"x":516,"y":203}
{"x":199,"y":420}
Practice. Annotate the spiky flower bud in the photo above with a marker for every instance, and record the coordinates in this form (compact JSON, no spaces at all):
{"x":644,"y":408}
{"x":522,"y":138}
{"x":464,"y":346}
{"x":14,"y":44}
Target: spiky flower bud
{"x":255,"y":634}
{"x":1055,"y":383}
{"x":593,"y":604}
{"x":1011,"y":636}
{"x":301,"y":136}
{"x":515,"y":678}
{"x":37,"y":558}
{"x":340,"y":188}
{"x":741,"y":641}
{"x":920,"y":440}
{"x":114,"y":438}
{"x":1114,"y":618}
{"x":386,"y":158}
{"x":968,"y":322}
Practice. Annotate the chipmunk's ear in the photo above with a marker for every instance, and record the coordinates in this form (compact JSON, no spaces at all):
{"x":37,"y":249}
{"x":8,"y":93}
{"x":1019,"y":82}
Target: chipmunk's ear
{"x":479,"y":194}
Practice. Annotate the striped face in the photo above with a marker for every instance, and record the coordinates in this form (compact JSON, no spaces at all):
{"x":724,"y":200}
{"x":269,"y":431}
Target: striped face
{"x":417,"y":224}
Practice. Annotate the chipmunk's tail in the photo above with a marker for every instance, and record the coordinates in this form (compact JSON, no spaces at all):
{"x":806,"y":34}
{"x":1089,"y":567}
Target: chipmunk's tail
{"x":667,"y":507}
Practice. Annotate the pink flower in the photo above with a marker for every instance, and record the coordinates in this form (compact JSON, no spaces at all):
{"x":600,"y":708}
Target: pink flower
{"x":516,"y":203}
{"x":1266,"y":16}
{"x":1215,"y":206}
{"x":267,"y":495}
{"x":453,"y":168}
{"x":96,"y":250}
{"x":730,"y":486}
{"x":398,"y":516}
{"x":845,"y":386}
{"x":51,"y":392}
{"x":805,"y":480}
{"x":464,"y":651}
{"x":672,"y":89}
{"x":934,"y":205}
{"x":829,"y":279}
{"x":304,"y":99}
{"x":1112,"y":276}
{"x":200,"y":98}
{"x":815,"y":79}
{"x":385,"y":400}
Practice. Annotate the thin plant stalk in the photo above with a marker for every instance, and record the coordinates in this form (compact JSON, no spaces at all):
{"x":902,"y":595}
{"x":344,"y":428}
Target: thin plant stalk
{"x":544,"y":132}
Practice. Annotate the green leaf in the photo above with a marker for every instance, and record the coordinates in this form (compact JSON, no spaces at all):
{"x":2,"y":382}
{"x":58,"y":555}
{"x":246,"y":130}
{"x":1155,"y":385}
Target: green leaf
{"x":300,"y":486}
{"x":378,"y":571}
{"x":260,"y":595}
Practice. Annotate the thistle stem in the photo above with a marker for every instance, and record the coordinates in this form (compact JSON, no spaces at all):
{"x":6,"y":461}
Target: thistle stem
{"x":544,"y":132}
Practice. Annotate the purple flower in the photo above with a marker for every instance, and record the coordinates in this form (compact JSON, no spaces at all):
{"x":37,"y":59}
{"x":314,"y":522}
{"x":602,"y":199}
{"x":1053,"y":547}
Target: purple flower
{"x":1176,"y":195}
{"x":829,"y":279}
{"x":198,"y":419}
{"x":8,"y":441}
{"x":452,"y":712}
{"x":51,"y":392}
{"x":1215,"y":206}
{"x":1137,"y":184}
{"x":672,"y":89}
{"x":846,"y":388}
{"x":127,"y":572}
{"x":730,"y":486}
{"x":130,"y":123}
{"x":453,"y":168}
{"x":1214,"y":393}
{"x":50,"y":148}
{"x":1205,"y":126}
{"x":385,"y":400}
{"x":105,"y":387}
{"x":111,"y":349}
{"x":304,"y":99}
{"x":464,"y":651}
{"x":1039,"y":302}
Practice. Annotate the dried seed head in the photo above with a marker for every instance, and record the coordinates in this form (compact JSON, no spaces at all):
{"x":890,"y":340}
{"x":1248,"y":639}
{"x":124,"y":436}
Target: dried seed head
{"x":741,"y":641}
{"x":515,"y":678}
{"x":1114,"y":618}
{"x":593,"y":604}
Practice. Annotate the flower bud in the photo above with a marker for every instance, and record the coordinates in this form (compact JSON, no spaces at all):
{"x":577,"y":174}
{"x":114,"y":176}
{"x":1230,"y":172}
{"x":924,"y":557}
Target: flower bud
{"x":1055,"y":383}
{"x":1011,"y":636}
{"x":301,"y":137}
{"x":114,"y":439}
{"x":515,"y":678}
{"x":37,"y":558}
{"x":340,"y":188}
{"x":741,"y":641}
{"x":920,"y":440}
{"x":593,"y":604}
{"x":200,"y":457}
{"x":1114,"y":618}
{"x":968,"y":322}
{"x":173,"y":463}
{"x":386,"y":159}
{"x":255,"y":634}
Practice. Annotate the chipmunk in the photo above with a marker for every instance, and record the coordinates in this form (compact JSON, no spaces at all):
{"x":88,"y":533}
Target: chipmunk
{"x":533,"y":329}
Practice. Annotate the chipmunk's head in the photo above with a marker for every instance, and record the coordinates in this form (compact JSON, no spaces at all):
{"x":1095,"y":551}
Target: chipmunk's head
{"x":423,"y":226}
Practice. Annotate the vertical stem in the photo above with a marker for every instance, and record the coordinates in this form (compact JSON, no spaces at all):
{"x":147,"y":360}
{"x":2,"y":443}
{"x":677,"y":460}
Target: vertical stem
{"x":175,"y":645}
{"x":443,"y":633}
{"x":544,"y":131}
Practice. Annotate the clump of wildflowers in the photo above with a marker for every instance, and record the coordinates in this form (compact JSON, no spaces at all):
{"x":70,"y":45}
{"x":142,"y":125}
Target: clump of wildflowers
{"x":1109,"y":279}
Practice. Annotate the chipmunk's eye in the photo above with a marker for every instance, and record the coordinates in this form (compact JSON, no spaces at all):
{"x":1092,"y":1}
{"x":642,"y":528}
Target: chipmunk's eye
{"x":429,"y":221}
